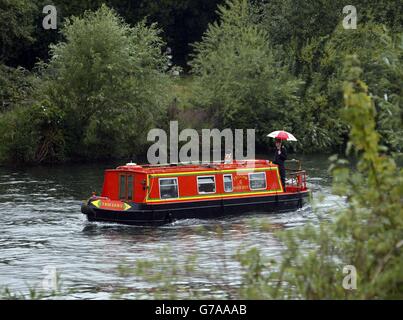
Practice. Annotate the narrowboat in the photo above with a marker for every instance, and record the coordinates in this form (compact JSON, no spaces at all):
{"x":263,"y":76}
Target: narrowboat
{"x":158,"y":194}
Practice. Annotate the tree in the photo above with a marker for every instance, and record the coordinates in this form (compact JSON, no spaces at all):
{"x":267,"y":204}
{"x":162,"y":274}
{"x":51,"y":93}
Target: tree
{"x":239,"y":77}
{"x":314,"y":46}
{"x":105,"y":86}
{"x":16,"y":28}
{"x":183,"y":21}
{"x":109,"y":79}
{"x":292,"y":24}
{"x":381,"y":59}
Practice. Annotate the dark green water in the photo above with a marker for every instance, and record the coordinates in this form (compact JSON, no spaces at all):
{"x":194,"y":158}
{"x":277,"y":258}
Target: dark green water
{"x":42,"y":228}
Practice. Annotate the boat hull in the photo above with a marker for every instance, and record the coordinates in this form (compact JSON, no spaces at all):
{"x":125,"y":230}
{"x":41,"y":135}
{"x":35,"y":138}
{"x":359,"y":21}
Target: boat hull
{"x":147,"y":214}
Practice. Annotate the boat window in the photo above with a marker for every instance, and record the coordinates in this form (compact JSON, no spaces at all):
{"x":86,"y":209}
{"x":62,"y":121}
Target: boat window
{"x":129,"y":187}
{"x":206,"y":184}
{"x":168,"y":188}
{"x":227,"y":182}
{"x":122,"y":187}
{"x":125,"y":187}
{"x":257,"y":180}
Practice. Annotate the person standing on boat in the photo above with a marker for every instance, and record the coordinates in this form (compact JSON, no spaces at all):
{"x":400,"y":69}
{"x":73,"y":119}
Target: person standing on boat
{"x":279,"y":157}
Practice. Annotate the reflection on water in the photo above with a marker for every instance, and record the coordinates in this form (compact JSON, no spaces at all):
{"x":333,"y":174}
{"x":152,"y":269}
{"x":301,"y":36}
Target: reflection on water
{"x":41,"y":225}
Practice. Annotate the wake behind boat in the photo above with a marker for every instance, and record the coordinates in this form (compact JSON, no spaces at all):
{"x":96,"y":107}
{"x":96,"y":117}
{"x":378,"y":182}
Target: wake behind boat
{"x":158,"y":194}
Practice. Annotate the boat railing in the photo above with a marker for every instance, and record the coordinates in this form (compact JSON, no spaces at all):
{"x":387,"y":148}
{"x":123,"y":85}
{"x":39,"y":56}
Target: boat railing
{"x":202,"y":163}
{"x":297,"y":162}
{"x":296,"y":177}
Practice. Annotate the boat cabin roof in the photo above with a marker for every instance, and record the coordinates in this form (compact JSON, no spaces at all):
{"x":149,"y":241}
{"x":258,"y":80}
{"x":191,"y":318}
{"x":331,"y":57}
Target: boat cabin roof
{"x":181,"y":167}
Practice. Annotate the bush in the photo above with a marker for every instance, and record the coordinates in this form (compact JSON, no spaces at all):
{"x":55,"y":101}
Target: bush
{"x":32,"y":134}
{"x":15,"y":86}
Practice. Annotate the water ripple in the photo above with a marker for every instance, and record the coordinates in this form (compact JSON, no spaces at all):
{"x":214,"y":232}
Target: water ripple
{"x":41,"y":227}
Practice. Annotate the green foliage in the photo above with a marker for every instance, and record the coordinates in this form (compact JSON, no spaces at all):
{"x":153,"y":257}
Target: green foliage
{"x":16,"y":28}
{"x":239,"y":78}
{"x":103,"y":88}
{"x":109,"y":79}
{"x":26,"y":42}
{"x":383,"y":12}
{"x":36,"y":293}
{"x":366,"y":235}
{"x":183,"y":21}
{"x":298,"y":24}
{"x":32,"y":134}
{"x":382,"y":65}
{"x":15,"y":86}
{"x":266,"y":65}
{"x":17,"y":141}
{"x":246,"y":66}
{"x":292,"y":24}
{"x":314,"y":46}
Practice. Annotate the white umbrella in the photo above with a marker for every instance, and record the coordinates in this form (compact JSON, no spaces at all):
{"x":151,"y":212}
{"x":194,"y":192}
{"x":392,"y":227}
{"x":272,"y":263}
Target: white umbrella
{"x":282,"y":135}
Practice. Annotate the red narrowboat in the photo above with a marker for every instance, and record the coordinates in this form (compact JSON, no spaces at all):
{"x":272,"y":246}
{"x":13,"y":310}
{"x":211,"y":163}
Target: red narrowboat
{"x":158,"y":194}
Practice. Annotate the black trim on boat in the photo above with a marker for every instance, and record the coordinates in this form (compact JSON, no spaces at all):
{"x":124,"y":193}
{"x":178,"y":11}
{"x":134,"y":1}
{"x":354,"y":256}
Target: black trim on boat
{"x":151,"y":214}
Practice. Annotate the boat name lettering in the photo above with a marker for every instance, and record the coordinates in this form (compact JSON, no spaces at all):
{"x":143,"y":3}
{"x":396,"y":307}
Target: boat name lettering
{"x":111,"y":205}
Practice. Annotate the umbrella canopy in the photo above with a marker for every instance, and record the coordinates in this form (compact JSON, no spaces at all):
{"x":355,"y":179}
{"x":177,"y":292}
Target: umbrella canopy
{"x":282,"y":135}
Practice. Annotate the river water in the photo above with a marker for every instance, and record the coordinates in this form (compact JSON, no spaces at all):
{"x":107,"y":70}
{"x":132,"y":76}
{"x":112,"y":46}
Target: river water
{"x":42,"y":232}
